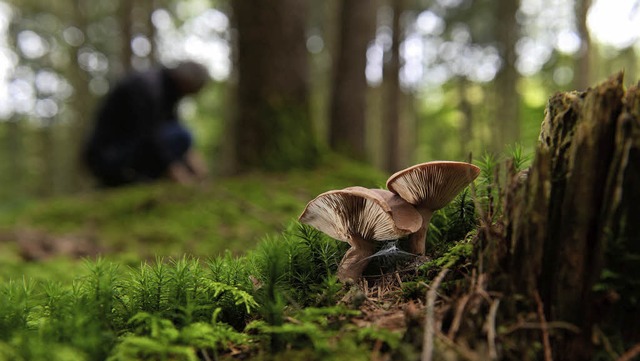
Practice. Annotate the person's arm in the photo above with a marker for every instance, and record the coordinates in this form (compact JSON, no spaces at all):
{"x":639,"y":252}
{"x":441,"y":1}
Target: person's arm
{"x":197,"y":164}
{"x":180,"y":173}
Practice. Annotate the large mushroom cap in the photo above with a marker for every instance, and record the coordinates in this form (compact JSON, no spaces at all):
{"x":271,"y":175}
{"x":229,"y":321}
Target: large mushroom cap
{"x":373,"y":214}
{"x":433,"y":184}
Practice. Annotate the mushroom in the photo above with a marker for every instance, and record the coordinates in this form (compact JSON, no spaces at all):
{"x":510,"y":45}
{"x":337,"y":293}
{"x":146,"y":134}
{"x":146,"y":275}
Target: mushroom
{"x":360,"y":216}
{"x":429,"y":187}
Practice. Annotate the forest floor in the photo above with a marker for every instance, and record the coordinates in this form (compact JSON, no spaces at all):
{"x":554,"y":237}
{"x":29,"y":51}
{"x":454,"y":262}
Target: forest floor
{"x":141,"y":222}
{"x":223,"y":271}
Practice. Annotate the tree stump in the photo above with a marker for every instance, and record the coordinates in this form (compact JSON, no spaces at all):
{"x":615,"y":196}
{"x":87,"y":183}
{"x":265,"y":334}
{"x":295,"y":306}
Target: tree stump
{"x":572,"y":226}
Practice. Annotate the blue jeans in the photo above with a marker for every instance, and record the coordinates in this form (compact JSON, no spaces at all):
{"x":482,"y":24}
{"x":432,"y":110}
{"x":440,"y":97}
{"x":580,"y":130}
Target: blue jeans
{"x":139,"y":160}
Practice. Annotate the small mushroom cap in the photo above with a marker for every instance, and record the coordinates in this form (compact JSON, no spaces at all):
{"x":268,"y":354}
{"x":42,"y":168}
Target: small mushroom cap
{"x":433,"y":184}
{"x":373,"y":214}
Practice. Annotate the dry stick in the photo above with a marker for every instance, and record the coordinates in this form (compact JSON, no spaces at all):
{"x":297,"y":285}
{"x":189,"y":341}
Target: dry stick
{"x":480,"y":290}
{"x":538,"y":326}
{"x":375,"y":353}
{"x":631,"y":353}
{"x":460,"y":307}
{"x":457,"y":319}
{"x":398,"y":278}
{"x":459,"y":349}
{"x":429,"y":322}
{"x":548,"y":356}
{"x":491,"y":329}
{"x":205,"y":355}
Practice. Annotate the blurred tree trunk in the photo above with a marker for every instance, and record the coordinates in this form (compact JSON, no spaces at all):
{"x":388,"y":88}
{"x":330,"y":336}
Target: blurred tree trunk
{"x":466,"y":129}
{"x":273,"y":127}
{"x":571,"y":225}
{"x":13,"y":163}
{"x":507,"y":126}
{"x":630,"y":61}
{"x":391,"y":83}
{"x":349,"y":98}
{"x":46,"y":153}
{"x":126,"y":33}
{"x":82,"y":103}
{"x":135,"y":19}
{"x":582,"y":77}
{"x":152,"y":5}
{"x":324,"y":23}
{"x":409,"y":131}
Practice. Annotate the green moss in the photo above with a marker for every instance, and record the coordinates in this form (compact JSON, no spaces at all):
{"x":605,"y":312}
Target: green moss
{"x":456,"y":254}
{"x":185,"y":308}
{"x":252,"y":278}
{"x":228,"y":214}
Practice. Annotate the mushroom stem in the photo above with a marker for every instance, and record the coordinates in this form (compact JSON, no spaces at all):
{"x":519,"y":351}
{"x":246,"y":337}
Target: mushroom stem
{"x":417,"y":241}
{"x":355,"y":260}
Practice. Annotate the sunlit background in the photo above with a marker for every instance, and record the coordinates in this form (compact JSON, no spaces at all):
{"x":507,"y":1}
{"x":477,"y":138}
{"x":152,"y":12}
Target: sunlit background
{"x":200,"y":32}
{"x":41,"y":44}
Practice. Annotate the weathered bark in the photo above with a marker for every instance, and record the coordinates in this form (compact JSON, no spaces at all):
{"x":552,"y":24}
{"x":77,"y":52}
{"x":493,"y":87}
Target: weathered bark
{"x":349,"y":108}
{"x":575,"y":208}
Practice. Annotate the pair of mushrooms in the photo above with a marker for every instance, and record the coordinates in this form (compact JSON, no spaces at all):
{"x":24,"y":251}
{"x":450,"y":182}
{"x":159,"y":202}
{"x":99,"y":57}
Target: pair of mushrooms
{"x":362,"y":216}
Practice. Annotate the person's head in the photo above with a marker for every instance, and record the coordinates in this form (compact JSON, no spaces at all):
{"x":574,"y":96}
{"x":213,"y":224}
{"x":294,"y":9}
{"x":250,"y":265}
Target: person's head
{"x":189,"y":77}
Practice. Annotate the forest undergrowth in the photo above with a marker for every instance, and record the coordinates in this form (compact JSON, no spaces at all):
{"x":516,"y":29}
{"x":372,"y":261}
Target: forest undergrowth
{"x":282,"y":300}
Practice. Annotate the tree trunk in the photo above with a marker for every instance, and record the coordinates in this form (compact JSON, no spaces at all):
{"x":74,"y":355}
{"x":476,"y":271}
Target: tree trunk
{"x":126,"y":31}
{"x":583,"y":62}
{"x":83,"y":105}
{"x":46,"y":153}
{"x":576,"y":215}
{"x":14,"y":158}
{"x":391,"y":117}
{"x":507,"y":127}
{"x":348,"y":108}
{"x":273,"y":127}
{"x":466,"y":109}
{"x":151,"y":6}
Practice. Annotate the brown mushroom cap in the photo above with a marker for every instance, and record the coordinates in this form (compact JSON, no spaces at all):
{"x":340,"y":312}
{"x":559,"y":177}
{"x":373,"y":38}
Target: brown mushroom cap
{"x":373,"y":214}
{"x":433,"y":184}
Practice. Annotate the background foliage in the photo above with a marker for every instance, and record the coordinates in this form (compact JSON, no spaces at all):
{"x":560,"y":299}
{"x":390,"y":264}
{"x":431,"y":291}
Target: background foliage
{"x":58,"y":60}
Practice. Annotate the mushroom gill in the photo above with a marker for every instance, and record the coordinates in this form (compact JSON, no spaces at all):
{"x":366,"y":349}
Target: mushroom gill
{"x":360,"y":216}
{"x":429,"y":187}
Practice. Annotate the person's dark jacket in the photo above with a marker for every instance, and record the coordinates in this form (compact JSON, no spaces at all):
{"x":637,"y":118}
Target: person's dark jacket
{"x":130,"y":118}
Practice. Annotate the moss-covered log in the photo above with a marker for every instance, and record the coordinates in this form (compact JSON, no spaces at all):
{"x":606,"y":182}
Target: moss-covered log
{"x":573,"y":224}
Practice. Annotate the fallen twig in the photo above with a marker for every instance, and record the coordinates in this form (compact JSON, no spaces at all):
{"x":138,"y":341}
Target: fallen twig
{"x":375,"y":353}
{"x":429,"y":322}
{"x":457,"y":318}
{"x":538,"y":326}
{"x":491,"y":329}
{"x":398,"y":279}
{"x":630,"y":353}
{"x":459,"y":349}
{"x":205,"y":355}
{"x":480,"y":287}
{"x":548,"y":356}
